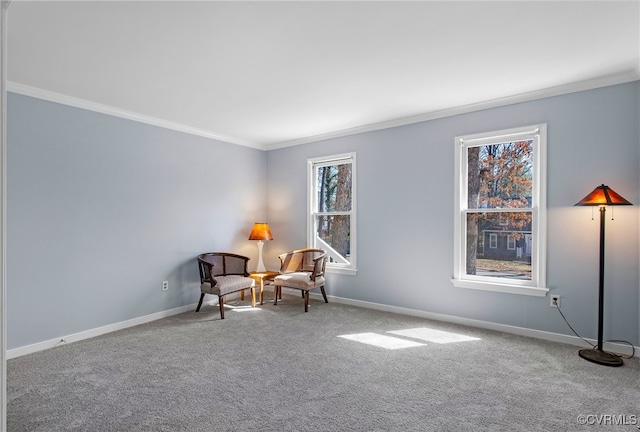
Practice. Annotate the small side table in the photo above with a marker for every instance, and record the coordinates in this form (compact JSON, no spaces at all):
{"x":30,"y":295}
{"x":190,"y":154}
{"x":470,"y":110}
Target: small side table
{"x":261,"y":277}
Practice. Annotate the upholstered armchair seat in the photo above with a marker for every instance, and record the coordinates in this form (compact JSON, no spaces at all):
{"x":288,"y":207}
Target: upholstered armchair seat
{"x":299,"y":280}
{"x":227,"y":284}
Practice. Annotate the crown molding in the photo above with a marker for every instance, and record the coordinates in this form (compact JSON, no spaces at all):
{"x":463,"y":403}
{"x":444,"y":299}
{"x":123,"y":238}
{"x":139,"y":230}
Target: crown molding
{"x":117,"y":112}
{"x":609,"y":80}
{"x":575,"y":87}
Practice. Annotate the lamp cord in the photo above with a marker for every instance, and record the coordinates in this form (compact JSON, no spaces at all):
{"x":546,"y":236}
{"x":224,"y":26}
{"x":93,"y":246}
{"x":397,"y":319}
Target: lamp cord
{"x":633,"y":349}
{"x":574,"y":332}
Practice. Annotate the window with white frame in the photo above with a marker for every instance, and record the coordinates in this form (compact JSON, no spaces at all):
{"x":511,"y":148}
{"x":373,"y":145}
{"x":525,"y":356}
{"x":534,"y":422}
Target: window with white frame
{"x":500,"y":201}
{"x":331,"y":222}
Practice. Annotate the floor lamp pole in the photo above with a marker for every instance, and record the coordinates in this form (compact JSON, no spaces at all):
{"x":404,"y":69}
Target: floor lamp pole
{"x":603,"y":209}
{"x":597,"y":355}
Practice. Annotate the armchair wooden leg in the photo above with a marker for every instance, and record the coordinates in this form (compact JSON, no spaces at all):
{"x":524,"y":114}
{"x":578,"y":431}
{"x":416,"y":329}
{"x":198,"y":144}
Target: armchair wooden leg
{"x":221,"y":302}
{"x":275,"y":297}
{"x":200,"y":302}
{"x":305,"y":294}
{"x":324,"y":294}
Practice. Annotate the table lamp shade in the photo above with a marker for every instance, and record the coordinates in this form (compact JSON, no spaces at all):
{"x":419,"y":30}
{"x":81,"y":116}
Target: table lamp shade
{"x":260,"y":231}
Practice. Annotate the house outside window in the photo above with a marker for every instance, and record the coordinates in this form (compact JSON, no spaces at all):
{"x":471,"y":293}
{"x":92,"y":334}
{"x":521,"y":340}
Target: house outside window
{"x":331,"y":222}
{"x":500,"y":201}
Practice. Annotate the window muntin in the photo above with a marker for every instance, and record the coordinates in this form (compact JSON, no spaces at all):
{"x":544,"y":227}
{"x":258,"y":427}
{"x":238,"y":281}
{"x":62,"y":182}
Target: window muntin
{"x":500,"y":205}
{"x":331,"y":221}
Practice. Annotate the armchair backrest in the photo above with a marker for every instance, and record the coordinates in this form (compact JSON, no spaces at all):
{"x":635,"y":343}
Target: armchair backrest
{"x":214,"y":264}
{"x":308,"y":260}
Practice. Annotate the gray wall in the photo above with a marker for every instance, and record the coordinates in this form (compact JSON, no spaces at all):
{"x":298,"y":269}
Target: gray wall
{"x":101,"y":210}
{"x":405,"y":212}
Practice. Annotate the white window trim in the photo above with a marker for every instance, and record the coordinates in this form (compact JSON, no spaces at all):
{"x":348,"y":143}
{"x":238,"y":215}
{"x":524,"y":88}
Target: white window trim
{"x":333,"y":267}
{"x":537,"y":285}
{"x":493,"y":241}
{"x":511,"y":242}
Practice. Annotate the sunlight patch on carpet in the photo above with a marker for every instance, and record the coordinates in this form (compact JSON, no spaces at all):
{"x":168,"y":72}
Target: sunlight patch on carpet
{"x":431,"y":335}
{"x":387,"y":342}
{"x":242,"y":308}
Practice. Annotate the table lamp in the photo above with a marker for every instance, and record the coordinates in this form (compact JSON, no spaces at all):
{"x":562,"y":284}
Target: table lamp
{"x":601,"y":196}
{"x":260,"y":232}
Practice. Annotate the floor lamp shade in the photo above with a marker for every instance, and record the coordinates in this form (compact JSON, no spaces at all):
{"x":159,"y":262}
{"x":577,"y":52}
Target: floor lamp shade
{"x":260,"y":232}
{"x":602,"y":196}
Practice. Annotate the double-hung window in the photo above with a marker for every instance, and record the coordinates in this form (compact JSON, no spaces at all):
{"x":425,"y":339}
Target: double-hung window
{"x":500,"y":211}
{"x":331,"y":222}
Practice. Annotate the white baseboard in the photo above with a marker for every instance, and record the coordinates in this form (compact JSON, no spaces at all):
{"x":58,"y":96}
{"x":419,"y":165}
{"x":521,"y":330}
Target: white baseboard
{"x":521,"y":331}
{"x":75,"y":337}
{"x":62,"y":340}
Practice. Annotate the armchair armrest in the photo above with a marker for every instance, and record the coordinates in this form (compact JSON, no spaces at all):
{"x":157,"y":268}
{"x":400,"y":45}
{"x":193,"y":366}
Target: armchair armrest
{"x":319,"y":264}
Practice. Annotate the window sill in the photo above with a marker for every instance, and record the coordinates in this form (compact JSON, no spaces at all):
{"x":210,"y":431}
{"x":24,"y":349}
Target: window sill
{"x":341,"y":270}
{"x":504,"y":288}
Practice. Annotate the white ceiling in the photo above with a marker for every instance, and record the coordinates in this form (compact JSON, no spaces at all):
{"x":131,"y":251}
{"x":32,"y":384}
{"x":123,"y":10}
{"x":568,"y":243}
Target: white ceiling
{"x":268,"y":74}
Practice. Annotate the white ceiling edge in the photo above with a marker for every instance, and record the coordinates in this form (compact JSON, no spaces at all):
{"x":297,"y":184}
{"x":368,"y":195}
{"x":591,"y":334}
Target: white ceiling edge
{"x":575,"y":87}
{"x":50,"y":96}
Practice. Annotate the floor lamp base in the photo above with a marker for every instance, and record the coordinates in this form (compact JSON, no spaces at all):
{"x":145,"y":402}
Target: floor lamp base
{"x":600,"y":357}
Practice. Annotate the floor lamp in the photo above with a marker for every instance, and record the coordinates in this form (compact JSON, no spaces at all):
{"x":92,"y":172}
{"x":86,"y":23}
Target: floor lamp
{"x":601,"y":196}
{"x":260,"y":232}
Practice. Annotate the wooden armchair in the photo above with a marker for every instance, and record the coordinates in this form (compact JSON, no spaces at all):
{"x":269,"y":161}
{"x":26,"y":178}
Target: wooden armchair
{"x":222,"y":273}
{"x":301,"y":269}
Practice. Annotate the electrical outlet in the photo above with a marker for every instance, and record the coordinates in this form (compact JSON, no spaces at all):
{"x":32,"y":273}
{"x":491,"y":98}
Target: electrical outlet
{"x":555,"y":301}
{"x":165,"y":285}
